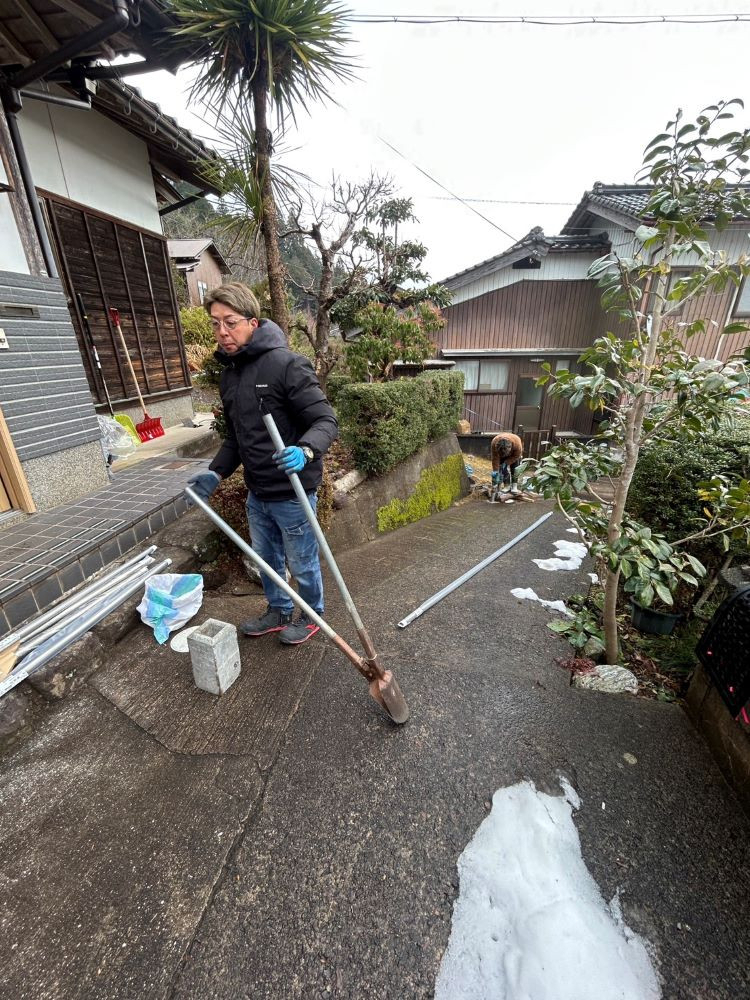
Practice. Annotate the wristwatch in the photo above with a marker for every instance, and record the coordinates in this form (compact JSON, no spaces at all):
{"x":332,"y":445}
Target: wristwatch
{"x":308,"y":453}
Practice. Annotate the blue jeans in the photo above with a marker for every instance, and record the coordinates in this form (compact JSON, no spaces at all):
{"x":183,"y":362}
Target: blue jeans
{"x":280,"y":534}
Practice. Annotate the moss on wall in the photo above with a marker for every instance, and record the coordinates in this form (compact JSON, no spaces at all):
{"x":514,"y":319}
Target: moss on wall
{"x":438,"y":487}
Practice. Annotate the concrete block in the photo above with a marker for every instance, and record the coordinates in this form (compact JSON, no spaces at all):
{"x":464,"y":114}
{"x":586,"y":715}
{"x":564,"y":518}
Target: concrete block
{"x":215,"y":656}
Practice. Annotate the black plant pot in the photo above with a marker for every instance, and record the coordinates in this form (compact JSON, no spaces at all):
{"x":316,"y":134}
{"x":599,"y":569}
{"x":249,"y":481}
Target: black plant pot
{"x":653,"y":622}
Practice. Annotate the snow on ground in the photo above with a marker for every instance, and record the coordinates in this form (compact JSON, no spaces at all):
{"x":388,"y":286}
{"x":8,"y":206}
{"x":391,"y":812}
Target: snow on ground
{"x":568,"y":555}
{"x":530,"y":595}
{"x":530,"y":922}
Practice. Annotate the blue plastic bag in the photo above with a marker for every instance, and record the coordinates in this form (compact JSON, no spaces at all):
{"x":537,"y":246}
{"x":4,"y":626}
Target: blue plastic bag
{"x":170,"y":600}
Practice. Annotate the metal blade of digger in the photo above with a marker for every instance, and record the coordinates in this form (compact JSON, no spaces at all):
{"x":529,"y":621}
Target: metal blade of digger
{"x":383,"y":687}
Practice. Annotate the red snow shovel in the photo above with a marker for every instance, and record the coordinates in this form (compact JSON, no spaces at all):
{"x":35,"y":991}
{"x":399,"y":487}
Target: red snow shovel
{"x":149,"y":427}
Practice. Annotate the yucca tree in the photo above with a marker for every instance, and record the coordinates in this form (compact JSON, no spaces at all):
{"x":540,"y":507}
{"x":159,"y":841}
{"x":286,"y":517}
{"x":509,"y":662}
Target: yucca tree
{"x":273,"y":53}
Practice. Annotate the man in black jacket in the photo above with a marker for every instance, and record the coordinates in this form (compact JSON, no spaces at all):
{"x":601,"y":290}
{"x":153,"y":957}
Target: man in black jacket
{"x":259,"y":369}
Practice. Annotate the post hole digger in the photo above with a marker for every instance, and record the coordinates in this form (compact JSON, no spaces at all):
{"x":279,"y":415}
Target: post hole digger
{"x":382,"y":684}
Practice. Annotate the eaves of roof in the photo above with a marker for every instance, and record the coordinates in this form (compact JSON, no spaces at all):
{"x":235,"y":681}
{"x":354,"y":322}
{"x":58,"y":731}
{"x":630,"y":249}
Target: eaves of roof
{"x":510,"y":352}
{"x":535,"y":245}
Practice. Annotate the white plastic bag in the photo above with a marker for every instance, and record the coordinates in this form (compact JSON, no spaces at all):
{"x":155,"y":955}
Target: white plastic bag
{"x":115,"y":439}
{"x":170,"y":600}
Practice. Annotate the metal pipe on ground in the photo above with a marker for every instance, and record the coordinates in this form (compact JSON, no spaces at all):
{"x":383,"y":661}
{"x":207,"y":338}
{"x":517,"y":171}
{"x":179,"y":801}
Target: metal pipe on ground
{"x":142,"y":572}
{"x":43,"y":654}
{"x":76,"y":599}
{"x":432,"y":601}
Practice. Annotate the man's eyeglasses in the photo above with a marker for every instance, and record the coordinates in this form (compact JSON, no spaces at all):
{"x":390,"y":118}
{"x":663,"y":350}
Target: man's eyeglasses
{"x":230,"y":325}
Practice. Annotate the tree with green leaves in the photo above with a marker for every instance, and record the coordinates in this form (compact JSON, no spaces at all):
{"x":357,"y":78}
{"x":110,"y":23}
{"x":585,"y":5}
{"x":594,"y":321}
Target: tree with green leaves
{"x":644,"y":380}
{"x":387,"y":335}
{"x":263,"y":54}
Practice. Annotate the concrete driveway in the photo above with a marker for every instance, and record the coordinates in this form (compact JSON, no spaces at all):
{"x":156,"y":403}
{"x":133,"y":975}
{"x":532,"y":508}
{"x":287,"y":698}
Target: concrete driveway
{"x":287,"y":841}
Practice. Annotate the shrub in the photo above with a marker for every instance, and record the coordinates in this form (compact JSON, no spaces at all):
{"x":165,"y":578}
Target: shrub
{"x":664,"y":491}
{"x":334,"y":385}
{"x":385,"y":422}
{"x":196,"y":327}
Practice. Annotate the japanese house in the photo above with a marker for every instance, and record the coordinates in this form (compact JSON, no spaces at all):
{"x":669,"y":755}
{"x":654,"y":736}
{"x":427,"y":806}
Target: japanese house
{"x":87,"y":169}
{"x":200,"y":263}
{"x":534,"y":303}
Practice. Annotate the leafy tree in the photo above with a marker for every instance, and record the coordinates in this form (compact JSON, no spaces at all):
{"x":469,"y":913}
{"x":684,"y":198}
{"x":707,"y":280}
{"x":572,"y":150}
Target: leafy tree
{"x":645,"y":381}
{"x":395,"y":275}
{"x":353,"y":236}
{"x":264,"y":53}
{"x":386,"y":335}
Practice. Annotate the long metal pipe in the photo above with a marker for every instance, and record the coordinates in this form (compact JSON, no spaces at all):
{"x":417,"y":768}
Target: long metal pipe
{"x":76,"y":599}
{"x":432,"y":601}
{"x":43,"y":654}
{"x":141,"y":572}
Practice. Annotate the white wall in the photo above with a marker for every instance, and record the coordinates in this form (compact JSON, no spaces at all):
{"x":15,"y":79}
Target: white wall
{"x":12,"y":256}
{"x":555,"y":267}
{"x":84,"y":157}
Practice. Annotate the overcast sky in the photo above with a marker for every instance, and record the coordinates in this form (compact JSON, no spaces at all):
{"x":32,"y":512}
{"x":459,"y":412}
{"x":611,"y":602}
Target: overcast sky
{"x":507,"y":113}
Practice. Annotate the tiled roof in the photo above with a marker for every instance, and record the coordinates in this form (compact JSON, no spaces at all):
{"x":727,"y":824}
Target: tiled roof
{"x":534,"y":244}
{"x":628,"y":201}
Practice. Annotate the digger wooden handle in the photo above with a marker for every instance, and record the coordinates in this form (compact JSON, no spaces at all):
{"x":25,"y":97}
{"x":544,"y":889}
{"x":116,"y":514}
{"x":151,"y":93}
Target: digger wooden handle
{"x":114,"y":315}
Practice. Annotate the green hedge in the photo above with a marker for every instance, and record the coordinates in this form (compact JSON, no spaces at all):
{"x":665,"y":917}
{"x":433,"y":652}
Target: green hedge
{"x":385,"y":422}
{"x":334,"y":384}
{"x":663,"y":491}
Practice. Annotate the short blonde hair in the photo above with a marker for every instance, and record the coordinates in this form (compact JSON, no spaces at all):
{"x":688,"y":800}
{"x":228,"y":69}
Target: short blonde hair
{"x":235,"y":295}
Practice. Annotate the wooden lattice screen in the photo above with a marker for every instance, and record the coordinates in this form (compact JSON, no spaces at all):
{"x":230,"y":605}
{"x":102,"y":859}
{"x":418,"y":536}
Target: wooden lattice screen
{"x":108,"y":263}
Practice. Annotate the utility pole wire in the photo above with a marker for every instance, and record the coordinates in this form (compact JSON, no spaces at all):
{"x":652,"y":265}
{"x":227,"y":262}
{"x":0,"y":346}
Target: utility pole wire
{"x":447,"y":190}
{"x":552,"y":20}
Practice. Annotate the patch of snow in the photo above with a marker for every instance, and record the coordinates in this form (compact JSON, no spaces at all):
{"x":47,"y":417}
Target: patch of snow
{"x":572,"y":531}
{"x":530,"y":922}
{"x":568,"y":555}
{"x":530,"y":595}
{"x":593,"y":577}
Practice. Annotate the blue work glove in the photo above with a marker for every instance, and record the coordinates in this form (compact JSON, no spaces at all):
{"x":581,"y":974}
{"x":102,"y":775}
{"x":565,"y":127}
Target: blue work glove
{"x":291,"y":459}
{"x":496,"y":478}
{"x":204,"y":483}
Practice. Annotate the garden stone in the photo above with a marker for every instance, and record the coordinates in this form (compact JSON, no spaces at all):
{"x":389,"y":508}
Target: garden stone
{"x":607,"y":677}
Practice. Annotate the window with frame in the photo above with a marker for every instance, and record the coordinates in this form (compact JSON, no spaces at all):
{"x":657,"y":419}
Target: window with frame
{"x":742,"y":303}
{"x":487,"y":375}
{"x":202,"y":290}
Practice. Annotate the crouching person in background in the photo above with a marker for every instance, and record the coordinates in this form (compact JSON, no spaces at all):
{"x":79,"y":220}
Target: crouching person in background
{"x":506,"y":452}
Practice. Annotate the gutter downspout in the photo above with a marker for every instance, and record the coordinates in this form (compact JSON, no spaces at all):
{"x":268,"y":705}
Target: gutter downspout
{"x":12,"y":104}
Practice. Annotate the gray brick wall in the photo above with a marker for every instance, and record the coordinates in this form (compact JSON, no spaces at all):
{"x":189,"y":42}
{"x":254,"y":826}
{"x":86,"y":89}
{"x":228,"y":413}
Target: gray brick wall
{"x":44,"y":392}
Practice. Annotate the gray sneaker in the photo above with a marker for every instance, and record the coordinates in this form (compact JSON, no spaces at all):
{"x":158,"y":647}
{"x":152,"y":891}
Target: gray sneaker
{"x":274,"y":620}
{"x":298,"y":631}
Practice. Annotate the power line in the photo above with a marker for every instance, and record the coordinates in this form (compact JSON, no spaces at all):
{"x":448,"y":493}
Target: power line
{"x":447,"y":190}
{"x":496,"y":201}
{"x":552,"y":21}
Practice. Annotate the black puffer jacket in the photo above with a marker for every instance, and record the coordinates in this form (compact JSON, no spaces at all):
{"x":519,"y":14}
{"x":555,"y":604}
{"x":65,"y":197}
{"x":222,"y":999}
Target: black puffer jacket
{"x":265,"y":369}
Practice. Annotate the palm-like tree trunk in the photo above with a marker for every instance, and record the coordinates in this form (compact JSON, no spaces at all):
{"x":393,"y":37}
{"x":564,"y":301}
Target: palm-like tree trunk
{"x":269,"y":222}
